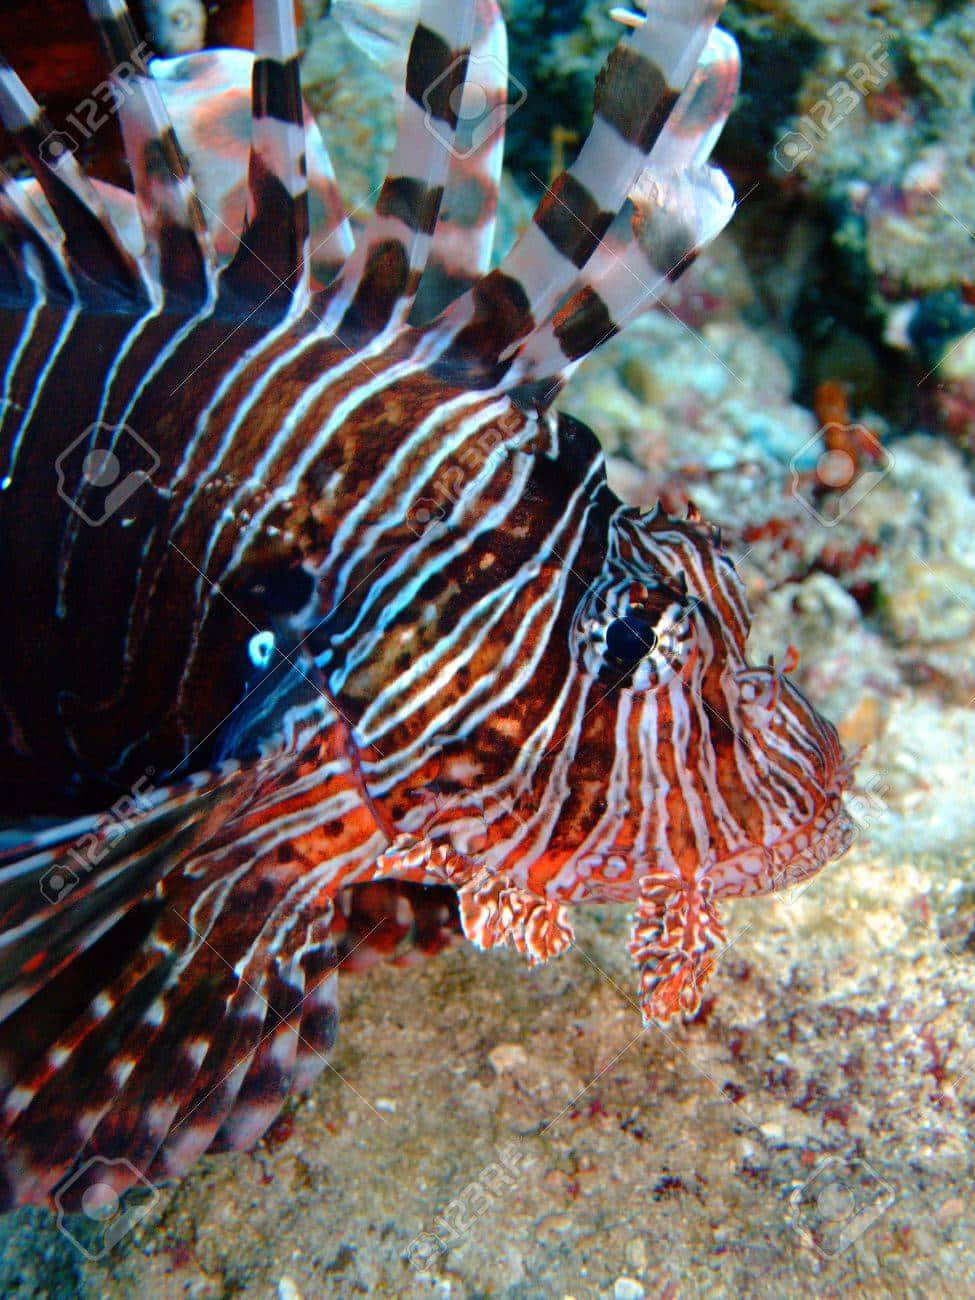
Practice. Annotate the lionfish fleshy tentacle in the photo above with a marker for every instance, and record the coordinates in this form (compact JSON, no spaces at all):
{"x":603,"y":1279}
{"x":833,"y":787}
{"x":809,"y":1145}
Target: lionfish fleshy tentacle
{"x":101,"y":267}
{"x":460,"y":251}
{"x":272,"y":261}
{"x":379,"y":283}
{"x":495,"y":911}
{"x":635,"y":95}
{"x":676,"y":931}
{"x":677,"y":207}
{"x":177,"y":243}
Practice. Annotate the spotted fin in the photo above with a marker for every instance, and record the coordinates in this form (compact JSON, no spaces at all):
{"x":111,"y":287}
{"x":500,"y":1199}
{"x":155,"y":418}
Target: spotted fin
{"x":154,"y":962}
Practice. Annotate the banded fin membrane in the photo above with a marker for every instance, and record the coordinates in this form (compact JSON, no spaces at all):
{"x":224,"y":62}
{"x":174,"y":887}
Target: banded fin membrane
{"x":678,"y":205}
{"x":463,"y":238}
{"x":271,"y":261}
{"x":376,"y":288}
{"x":636,"y":95}
{"x":208,"y":97}
{"x":175,"y":231}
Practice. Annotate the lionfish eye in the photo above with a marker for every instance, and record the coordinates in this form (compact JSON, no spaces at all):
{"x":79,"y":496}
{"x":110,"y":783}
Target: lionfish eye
{"x":629,"y":639}
{"x":260,"y":649}
{"x":638,"y":637}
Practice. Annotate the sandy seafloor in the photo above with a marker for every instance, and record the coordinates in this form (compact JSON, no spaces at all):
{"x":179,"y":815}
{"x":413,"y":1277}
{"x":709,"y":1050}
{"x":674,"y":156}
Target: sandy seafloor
{"x":828,"y":1076}
{"x":810,"y":1132}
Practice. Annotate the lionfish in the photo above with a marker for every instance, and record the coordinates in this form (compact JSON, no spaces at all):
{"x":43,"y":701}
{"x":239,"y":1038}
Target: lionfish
{"x":326,"y":638}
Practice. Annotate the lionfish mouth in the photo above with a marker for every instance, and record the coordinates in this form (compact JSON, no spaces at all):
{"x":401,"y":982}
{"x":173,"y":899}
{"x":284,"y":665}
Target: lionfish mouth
{"x":793,"y":858}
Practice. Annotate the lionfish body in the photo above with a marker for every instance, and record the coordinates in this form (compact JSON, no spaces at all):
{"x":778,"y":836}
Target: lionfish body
{"x":324,"y":634}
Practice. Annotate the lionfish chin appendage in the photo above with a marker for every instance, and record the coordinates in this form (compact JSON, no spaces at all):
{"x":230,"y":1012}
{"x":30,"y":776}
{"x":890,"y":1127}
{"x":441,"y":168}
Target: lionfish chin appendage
{"x":675,"y":943}
{"x":495,"y":912}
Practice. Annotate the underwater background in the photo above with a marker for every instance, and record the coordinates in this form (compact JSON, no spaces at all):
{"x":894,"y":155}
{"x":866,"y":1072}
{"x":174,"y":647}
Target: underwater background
{"x":809,"y":1131}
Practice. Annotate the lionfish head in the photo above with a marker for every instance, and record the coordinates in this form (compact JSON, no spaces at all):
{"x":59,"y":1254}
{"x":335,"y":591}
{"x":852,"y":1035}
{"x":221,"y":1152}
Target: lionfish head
{"x":718,"y":778}
{"x":559,"y":697}
{"x":731,"y":779}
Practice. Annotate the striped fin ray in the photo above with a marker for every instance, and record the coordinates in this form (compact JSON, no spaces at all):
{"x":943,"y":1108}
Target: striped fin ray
{"x":101,"y":267}
{"x":635,"y":95}
{"x":298,"y":1031}
{"x":677,"y":207}
{"x":378,"y":285}
{"x":177,"y":243}
{"x":99,"y":868}
{"x":463,"y":239}
{"x":25,"y":228}
{"x":166,"y":985}
{"x":272,"y":259}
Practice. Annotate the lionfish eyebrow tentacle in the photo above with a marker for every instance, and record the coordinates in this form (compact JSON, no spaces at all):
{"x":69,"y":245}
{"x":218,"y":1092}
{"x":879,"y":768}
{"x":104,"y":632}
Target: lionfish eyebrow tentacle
{"x":379,"y":283}
{"x":635,"y":95}
{"x":677,"y":207}
{"x":272,"y":259}
{"x":177,"y":243}
{"x":460,"y":251}
{"x":101,"y":267}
